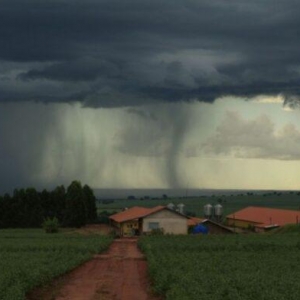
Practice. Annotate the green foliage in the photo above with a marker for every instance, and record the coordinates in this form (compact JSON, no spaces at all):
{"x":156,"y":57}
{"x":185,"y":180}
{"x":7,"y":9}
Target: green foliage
{"x":51,"y":225}
{"x":224,"y":267}
{"x":27,"y":208}
{"x":157,"y":231}
{"x":289,"y":228}
{"x":103,"y":217}
{"x":90,"y":204}
{"x":75,"y":213}
{"x":56,"y":203}
{"x":29,"y":258}
{"x":23,"y":209}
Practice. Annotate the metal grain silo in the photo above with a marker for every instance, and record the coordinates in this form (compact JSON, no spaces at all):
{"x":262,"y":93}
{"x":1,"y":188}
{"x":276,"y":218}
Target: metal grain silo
{"x":180,"y":208}
{"x":208,"y":211}
{"x":171,"y":206}
{"x":218,"y":212}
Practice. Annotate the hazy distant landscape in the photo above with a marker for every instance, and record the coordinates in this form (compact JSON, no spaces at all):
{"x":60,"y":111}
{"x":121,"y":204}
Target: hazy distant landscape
{"x":178,"y":193}
{"x":193,"y":205}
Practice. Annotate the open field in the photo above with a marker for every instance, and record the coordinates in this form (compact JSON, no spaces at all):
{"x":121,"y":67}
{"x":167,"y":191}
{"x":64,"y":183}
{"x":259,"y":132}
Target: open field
{"x":231,"y":203}
{"x":118,"y":273}
{"x":245,"y":267}
{"x":30,"y":257}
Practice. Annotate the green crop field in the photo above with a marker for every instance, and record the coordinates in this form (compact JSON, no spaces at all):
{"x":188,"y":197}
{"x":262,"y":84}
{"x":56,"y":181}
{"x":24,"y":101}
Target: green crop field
{"x":244,"y":267}
{"x":231,"y":203}
{"x":29,"y":258}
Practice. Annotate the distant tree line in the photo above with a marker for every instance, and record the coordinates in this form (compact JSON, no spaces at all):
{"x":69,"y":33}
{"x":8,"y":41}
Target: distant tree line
{"x":27,"y":208}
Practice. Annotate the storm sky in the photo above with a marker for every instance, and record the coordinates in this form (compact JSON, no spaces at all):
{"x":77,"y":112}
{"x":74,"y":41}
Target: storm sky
{"x":150,"y":94}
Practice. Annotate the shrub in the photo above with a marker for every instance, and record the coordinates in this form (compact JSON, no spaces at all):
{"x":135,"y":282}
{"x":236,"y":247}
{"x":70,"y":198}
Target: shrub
{"x":157,"y":231}
{"x":51,"y":225}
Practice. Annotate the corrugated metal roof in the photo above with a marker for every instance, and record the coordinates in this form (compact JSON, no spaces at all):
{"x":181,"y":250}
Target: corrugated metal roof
{"x":266,"y":216}
{"x":192,"y":221}
{"x":135,"y":212}
{"x":266,"y":226}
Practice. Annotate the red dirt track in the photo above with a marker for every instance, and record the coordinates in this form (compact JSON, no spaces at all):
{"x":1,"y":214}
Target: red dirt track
{"x":118,"y":274}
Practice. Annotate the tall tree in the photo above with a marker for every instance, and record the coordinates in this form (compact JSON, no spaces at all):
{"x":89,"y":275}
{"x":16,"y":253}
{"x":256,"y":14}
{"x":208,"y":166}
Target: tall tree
{"x":75,"y":213}
{"x":33,"y":208}
{"x":90,"y":204}
{"x":8,"y":211}
{"x":58,"y":202}
{"x":2,"y":215}
{"x":18,"y":207}
{"x":46,"y":203}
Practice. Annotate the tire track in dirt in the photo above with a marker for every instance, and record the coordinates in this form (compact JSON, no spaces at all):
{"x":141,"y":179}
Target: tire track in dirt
{"x":118,"y":274}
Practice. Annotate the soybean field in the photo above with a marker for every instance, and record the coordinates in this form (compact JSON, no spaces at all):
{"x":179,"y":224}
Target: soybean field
{"x":244,"y":267}
{"x":29,"y":258}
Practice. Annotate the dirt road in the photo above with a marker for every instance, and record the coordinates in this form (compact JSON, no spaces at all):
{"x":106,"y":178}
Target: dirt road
{"x":118,"y":274}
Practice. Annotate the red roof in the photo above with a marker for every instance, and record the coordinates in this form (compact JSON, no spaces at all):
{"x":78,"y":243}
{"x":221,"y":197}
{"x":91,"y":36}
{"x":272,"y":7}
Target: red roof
{"x":192,"y":221}
{"x":135,"y":212}
{"x":267,"y":216}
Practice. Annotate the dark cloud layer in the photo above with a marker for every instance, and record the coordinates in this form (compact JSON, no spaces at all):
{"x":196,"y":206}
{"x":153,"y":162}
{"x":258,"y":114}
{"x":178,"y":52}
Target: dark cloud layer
{"x":119,"y":53}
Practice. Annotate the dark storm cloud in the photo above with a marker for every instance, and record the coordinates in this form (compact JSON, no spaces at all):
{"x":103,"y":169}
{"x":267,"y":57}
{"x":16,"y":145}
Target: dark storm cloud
{"x":120,"y":53}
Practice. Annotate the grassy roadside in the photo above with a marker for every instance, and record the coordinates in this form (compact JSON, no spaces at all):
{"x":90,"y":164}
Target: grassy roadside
{"x":30,"y":257}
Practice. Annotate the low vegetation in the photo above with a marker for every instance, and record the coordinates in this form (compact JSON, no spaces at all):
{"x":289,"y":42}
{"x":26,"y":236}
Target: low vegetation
{"x":51,"y":225}
{"x":243,"y":267}
{"x":289,"y":228}
{"x":30,"y":257}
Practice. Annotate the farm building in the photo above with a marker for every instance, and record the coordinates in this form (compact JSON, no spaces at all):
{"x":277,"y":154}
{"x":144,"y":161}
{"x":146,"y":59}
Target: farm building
{"x":212,"y":227}
{"x":262,"y":218}
{"x":142,"y":220}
